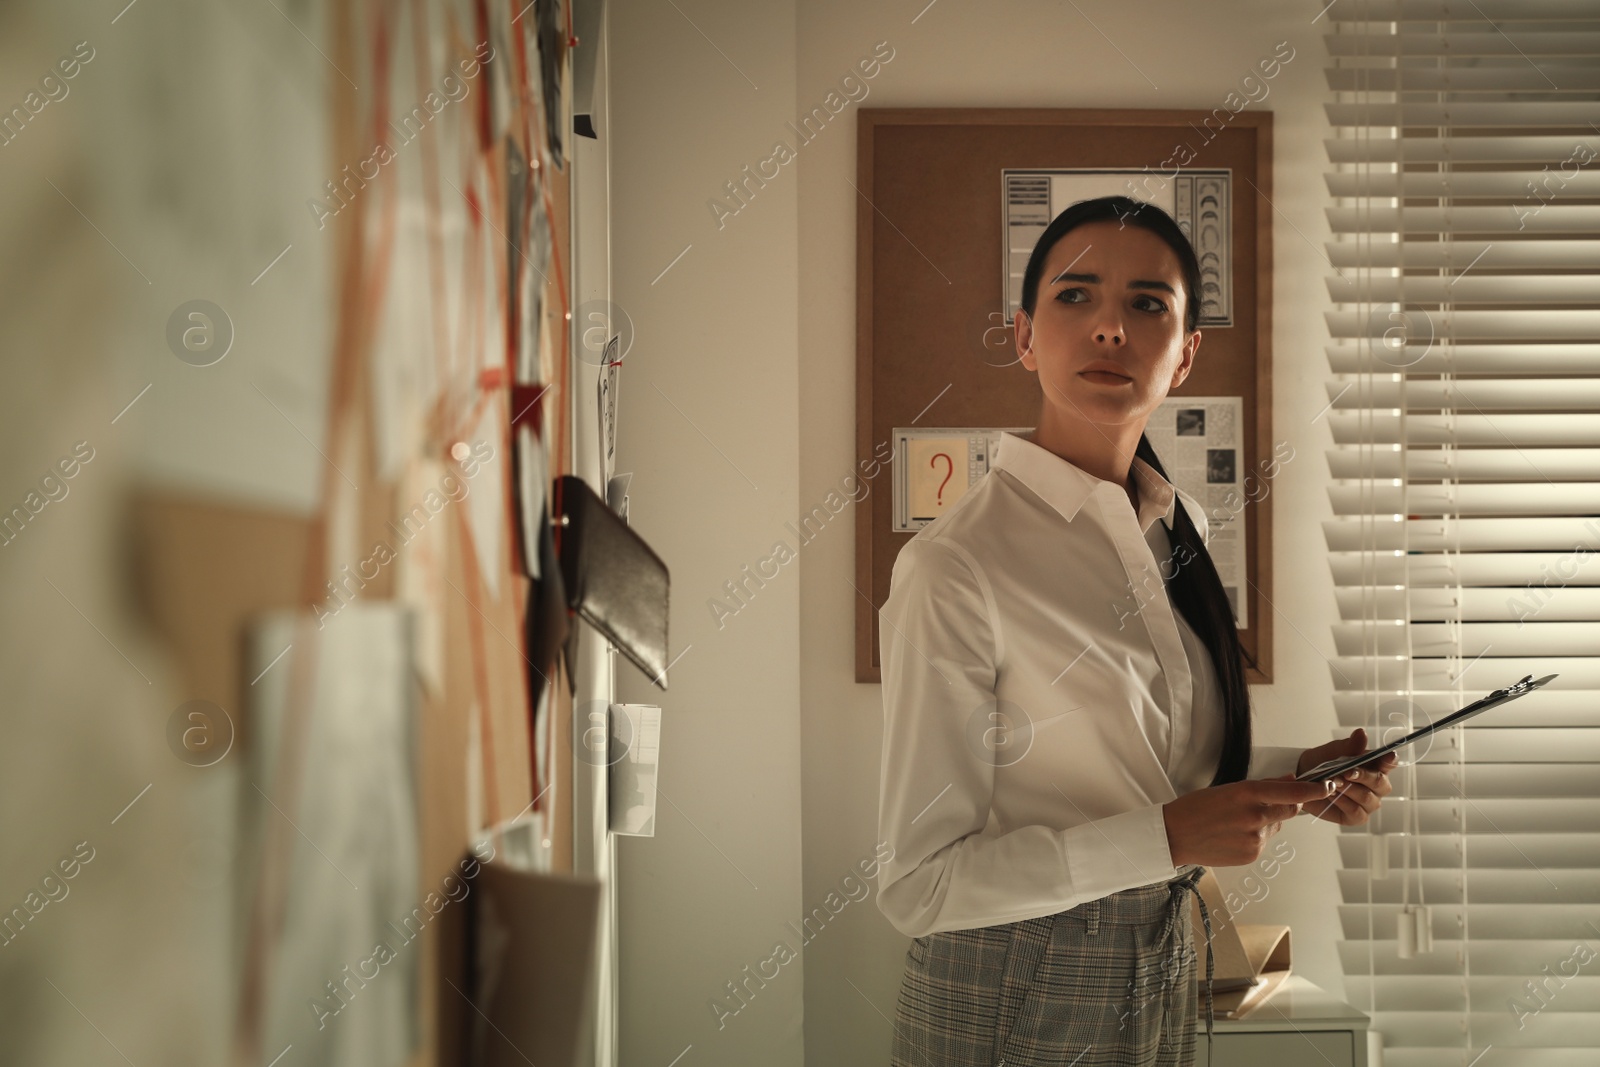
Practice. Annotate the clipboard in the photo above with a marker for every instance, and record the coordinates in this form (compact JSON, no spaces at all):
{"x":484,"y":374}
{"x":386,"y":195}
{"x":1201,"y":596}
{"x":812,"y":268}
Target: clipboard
{"x":1335,"y":767}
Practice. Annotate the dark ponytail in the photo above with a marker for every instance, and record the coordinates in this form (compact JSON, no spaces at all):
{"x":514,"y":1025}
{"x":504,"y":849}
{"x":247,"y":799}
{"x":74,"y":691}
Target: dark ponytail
{"x":1194,"y":586}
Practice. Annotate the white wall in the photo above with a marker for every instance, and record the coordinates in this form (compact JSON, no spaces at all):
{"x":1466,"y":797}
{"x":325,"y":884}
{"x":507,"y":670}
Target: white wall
{"x":709,"y":426}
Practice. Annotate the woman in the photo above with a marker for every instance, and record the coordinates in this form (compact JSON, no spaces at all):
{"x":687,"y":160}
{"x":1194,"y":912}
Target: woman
{"x":1067,"y":735}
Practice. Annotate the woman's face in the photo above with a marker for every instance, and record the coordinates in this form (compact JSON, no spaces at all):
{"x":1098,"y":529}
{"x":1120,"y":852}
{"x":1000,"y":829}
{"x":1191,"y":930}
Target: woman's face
{"x":1121,"y":302}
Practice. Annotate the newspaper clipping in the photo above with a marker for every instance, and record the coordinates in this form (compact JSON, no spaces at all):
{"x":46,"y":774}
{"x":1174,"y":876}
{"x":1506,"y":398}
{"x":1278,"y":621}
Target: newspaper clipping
{"x":1198,"y":441}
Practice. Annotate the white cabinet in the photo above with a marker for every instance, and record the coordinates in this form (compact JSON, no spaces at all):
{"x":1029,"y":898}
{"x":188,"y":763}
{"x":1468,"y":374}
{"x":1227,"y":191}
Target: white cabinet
{"x":1302,"y":1023}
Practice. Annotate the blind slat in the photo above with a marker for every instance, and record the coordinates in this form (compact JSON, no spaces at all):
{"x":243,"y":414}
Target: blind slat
{"x":1355,"y":674}
{"x":1540,"y":773}
{"x":1425,"y":570}
{"x":1436,"y":993}
{"x":1501,"y":956}
{"x":1485,"y":816}
{"x":1552,"y":853}
{"x":1535,"y":150}
{"x":1389,"y":637}
{"x":1519,"y":113}
{"x":1385,"y":534}
{"x":1460,"y":43}
{"x":1481,"y":887}
{"x":1563,"y":708}
{"x":1529,"y":216}
{"x":1562,"y":603}
{"x":1466,"y":464}
{"x":1475,"y":394}
{"x":1582,"y":182}
{"x":1479,"y":255}
{"x":1494,"y":921}
{"x":1517,"y":431}
{"x":1452,"y":10}
{"x":1430,"y":359}
{"x":1483,"y":498}
{"x":1546,"y":76}
{"x":1563,"y":325}
{"x":1476,"y":288}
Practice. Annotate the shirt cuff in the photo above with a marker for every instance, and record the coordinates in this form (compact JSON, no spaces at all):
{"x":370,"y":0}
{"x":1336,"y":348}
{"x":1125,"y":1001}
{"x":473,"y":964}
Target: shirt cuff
{"x":1273,"y":761}
{"x":1119,"y":852}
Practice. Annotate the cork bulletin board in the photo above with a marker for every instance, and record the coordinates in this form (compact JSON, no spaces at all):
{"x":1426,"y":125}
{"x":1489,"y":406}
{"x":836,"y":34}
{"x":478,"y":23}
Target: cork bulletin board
{"x":934,"y":347}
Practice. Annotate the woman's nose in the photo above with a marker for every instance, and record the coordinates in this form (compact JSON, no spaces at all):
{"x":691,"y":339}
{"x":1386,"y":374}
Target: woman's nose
{"x":1109,"y":333}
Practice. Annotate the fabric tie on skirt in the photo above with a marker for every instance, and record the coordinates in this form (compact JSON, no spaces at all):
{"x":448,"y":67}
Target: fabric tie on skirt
{"x":1180,"y":888}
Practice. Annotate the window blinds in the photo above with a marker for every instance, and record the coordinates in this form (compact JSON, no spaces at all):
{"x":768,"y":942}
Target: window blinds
{"x":1464,"y":403}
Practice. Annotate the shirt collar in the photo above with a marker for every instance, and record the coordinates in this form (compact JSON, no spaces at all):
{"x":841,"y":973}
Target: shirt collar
{"x":1065,"y":486}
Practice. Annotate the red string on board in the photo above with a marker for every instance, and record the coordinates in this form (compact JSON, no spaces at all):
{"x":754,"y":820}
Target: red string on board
{"x":431,"y":195}
{"x":478,"y":643}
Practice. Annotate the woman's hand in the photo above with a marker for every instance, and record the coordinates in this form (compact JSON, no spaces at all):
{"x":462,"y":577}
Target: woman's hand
{"x":1227,"y":825}
{"x":1360,"y":791}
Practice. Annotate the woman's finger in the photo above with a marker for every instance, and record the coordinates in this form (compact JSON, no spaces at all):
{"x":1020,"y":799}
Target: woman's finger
{"x":1344,"y":810}
{"x":1329,"y":810}
{"x":1375,"y":786}
{"x":1351,"y":811}
{"x":1359,"y":795}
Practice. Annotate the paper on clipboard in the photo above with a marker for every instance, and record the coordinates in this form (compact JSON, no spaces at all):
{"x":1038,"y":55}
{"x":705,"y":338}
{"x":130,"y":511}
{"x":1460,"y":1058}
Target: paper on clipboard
{"x":1335,"y":767}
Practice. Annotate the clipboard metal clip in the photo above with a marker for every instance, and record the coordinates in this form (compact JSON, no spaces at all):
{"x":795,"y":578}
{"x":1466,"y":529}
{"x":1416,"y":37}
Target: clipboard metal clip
{"x":1521,"y":687}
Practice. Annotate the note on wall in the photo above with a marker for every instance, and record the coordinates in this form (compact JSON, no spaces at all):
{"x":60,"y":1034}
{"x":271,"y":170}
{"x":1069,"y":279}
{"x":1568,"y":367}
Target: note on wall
{"x":933,"y":467}
{"x":334,"y":833}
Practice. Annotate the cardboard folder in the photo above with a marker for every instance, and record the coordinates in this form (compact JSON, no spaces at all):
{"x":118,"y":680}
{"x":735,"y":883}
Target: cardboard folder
{"x":1252,"y":959}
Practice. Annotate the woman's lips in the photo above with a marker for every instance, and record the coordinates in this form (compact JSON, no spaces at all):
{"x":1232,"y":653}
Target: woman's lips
{"x":1105,"y":376}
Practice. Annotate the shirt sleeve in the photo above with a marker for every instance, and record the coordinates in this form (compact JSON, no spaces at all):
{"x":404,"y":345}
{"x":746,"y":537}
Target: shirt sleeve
{"x":1273,"y":761}
{"x":939,"y":651}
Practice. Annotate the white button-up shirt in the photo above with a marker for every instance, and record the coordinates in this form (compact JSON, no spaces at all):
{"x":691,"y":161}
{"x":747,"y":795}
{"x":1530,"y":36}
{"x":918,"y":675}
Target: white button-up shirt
{"x":1042,"y":698}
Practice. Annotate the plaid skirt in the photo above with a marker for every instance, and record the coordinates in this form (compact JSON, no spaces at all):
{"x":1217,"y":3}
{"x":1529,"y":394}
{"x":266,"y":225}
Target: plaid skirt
{"x":1109,"y":983}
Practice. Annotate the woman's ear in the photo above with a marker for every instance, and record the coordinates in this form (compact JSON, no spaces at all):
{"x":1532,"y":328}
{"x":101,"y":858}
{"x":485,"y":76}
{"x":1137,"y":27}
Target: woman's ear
{"x":1185,"y":365}
{"x":1022,"y":330}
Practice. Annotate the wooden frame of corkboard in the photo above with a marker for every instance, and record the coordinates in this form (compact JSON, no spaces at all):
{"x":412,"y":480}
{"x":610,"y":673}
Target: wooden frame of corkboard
{"x":928,"y":295}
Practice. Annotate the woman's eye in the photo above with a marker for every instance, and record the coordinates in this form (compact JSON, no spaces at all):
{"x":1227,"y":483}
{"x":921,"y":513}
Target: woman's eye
{"x":1157,"y":307}
{"x":1062,"y":296}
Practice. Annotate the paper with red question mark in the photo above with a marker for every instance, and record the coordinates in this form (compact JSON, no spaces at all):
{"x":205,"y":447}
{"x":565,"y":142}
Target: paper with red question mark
{"x":938,"y":473}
